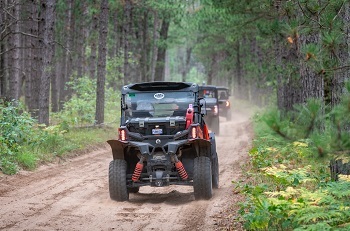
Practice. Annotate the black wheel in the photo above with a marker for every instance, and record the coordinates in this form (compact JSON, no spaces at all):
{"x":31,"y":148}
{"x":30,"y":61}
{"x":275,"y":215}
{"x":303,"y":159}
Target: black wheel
{"x":215,"y":172}
{"x":117,"y":180}
{"x":134,"y":190}
{"x":202,"y":178}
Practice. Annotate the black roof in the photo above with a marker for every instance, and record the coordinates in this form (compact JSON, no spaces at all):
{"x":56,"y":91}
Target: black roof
{"x":222,"y":88}
{"x":207,"y":87}
{"x":160,"y":86}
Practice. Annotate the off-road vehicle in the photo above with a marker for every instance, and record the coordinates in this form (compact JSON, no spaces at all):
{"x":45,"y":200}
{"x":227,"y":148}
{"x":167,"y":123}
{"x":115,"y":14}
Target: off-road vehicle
{"x":224,"y":102}
{"x":210,"y":102}
{"x":162,"y":140}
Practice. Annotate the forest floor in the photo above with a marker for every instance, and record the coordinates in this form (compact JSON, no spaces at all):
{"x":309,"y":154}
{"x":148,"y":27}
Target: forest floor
{"x":73,"y":194}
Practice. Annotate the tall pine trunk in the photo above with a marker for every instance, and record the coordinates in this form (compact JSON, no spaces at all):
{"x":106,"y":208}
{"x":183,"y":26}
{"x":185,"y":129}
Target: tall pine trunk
{"x":154,"y":45}
{"x":93,"y":46}
{"x":163,"y":36}
{"x":101,"y":66}
{"x":38,"y":30}
{"x":15,"y":42}
{"x":126,"y":39}
{"x":48,"y":8}
{"x":343,"y":53}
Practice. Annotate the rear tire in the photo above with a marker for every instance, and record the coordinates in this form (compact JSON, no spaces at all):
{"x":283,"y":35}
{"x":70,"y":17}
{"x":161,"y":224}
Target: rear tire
{"x":202,"y":178}
{"x":215,"y":172}
{"x":117,"y":180}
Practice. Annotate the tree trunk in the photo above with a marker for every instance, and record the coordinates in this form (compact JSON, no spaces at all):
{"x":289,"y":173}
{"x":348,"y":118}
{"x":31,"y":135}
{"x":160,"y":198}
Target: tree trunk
{"x":3,"y":75}
{"x":126,"y":33}
{"x":38,"y":30}
{"x":81,"y":41}
{"x":69,"y":48}
{"x":93,"y":37}
{"x":101,"y":67}
{"x":343,"y":53}
{"x":48,"y":8}
{"x":160,"y":65}
{"x":186,"y":63}
{"x":144,"y":48}
{"x":312,"y":82}
{"x":15,"y":55}
{"x":237,"y":80}
{"x":155,"y":46}
{"x":211,"y":71}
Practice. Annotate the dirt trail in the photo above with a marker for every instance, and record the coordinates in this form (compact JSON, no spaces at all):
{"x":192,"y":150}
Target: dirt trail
{"x":73,"y":195}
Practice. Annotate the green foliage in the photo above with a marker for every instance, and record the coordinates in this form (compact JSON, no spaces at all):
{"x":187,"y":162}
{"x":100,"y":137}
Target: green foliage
{"x":15,"y":131}
{"x":294,"y":190}
{"x":80,"y":109}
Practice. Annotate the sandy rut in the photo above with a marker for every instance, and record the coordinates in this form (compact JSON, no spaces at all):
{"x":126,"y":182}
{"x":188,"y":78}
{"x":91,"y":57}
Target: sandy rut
{"x":73,"y":195}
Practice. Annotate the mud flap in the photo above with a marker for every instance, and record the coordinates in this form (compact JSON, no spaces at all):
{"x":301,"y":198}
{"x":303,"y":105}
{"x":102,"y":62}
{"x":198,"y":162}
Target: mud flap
{"x":117,"y":149}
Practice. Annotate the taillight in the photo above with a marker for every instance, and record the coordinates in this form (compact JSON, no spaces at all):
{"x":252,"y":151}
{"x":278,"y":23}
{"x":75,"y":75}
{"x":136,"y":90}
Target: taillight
{"x":194,"y":132}
{"x":227,"y":103}
{"x":216,"y":110}
{"x":122,"y":134}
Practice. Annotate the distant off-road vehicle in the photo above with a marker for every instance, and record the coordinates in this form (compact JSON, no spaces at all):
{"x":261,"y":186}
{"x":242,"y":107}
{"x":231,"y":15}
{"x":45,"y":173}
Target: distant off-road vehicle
{"x":162,"y":140}
{"x":224,"y":102}
{"x":210,"y":102}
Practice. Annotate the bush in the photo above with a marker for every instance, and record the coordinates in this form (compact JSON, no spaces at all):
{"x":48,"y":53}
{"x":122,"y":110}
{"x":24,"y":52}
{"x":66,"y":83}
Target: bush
{"x":290,"y":158}
{"x":15,"y":131}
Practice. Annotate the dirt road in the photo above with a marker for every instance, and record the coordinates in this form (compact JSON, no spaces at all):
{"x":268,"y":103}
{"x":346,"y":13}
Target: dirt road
{"x":73,"y":195}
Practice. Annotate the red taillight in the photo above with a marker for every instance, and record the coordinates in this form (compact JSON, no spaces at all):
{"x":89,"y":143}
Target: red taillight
{"x":227,"y":103}
{"x":122,"y":134}
{"x":194,"y":132}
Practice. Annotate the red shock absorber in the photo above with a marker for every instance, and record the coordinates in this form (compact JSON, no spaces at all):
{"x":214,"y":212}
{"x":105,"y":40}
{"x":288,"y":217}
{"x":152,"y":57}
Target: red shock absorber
{"x":181,"y":170}
{"x":137,"y":172}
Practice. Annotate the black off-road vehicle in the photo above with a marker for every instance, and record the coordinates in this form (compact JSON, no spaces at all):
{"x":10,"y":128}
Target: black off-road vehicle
{"x":162,"y":140}
{"x":224,"y":102}
{"x":210,"y":102}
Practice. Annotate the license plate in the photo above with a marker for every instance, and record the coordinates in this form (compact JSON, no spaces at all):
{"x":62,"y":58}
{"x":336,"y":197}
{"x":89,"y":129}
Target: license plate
{"x":157,"y":131}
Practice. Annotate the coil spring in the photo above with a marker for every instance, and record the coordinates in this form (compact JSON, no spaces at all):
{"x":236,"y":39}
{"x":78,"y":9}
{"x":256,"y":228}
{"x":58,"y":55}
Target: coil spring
{"x":181,"y":170}
{"x":137,"y":172}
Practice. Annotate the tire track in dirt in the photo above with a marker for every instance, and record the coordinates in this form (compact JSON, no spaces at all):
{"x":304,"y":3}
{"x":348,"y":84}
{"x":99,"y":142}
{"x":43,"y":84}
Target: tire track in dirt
{"x":73,"y":195}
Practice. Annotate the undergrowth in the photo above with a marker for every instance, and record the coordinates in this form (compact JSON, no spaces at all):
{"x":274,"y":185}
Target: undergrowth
{"x":290,"y":187}
{"x":25,"y":144}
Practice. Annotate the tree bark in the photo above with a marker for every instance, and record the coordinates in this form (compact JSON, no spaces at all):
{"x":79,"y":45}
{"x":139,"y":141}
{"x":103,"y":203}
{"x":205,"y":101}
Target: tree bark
{"x":163,"y":36}
{"x":15,"y":54}
{"x":144,"y":47}
{"x":38,"y":30}
{"x":186,"y":63}
{"x":29,"y":44}
{"x":237,"y":80}
{"x":93,"y":37}
{"x":48,"y":8}
{"x":69,"y":49}
{"x":211,"y":71}
{"x":3,"y":75}
{"x":101,"y":67}
{"x":343,"y":54}
{"x":126,"y":37}
{"x":155,"y":46}
{"x":81,"y":41}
